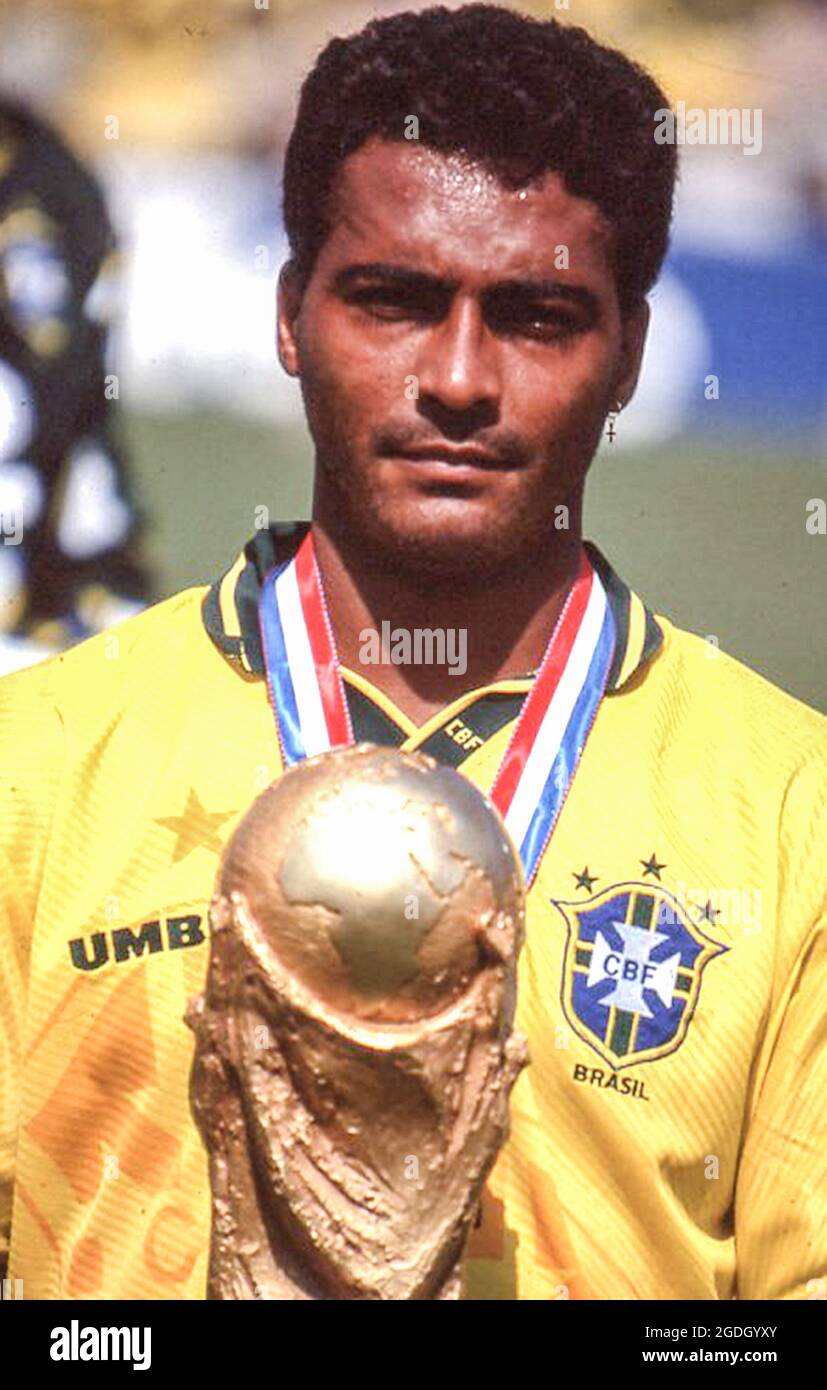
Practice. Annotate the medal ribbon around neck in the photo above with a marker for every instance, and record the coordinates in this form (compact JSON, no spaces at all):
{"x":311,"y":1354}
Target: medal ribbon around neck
{"x":307,"y":694}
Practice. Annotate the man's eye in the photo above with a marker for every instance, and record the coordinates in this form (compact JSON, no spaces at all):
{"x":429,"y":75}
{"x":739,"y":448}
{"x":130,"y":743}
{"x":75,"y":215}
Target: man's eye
{"x":391,"y":303}
{"x":534,"y":321}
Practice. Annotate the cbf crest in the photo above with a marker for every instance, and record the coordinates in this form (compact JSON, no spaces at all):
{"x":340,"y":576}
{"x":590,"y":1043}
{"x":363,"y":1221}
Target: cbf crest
{"x":632,"y":972}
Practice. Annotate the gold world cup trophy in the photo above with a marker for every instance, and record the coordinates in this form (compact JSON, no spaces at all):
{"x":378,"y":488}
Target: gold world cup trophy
{"x":354,"y":1046}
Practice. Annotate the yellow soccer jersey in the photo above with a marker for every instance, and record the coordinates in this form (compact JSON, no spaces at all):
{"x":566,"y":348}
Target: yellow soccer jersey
{"x":668,"y":1140}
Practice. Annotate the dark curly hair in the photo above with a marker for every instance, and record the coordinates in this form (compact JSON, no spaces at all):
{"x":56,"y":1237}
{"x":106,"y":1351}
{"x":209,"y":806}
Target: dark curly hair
{"x":520,"y":96}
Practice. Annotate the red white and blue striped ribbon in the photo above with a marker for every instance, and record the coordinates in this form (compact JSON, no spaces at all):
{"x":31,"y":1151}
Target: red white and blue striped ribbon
{"x":303,"y":677}
{"x":545,"y":748}
{"x":311,"y":712}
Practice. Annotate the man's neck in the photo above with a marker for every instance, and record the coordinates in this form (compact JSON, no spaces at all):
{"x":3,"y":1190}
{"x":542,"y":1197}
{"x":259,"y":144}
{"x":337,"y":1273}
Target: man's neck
{"x":492,"y":632}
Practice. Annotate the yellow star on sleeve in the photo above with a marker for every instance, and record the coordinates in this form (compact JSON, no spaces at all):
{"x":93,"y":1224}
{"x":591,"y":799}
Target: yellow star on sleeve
{"x":195,"y":828}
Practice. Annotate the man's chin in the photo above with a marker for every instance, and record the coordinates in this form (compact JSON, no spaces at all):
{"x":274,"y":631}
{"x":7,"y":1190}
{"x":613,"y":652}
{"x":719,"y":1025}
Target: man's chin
{"x":453,"y":545}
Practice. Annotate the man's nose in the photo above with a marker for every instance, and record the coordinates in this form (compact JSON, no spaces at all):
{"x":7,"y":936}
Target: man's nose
{"x":458,"y":366}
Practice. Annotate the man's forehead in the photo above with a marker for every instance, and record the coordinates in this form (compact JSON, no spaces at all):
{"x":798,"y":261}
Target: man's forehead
{"x":402,"y":199}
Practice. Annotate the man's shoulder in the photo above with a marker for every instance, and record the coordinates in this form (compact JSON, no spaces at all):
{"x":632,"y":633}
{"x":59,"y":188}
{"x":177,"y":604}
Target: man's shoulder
{"x":734,"y":705}
{"x":108,"y":708}
{"x":112,"y":665}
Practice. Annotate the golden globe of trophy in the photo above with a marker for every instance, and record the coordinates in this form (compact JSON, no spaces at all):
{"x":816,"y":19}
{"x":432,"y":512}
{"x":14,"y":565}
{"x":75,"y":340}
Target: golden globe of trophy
{"x":354,"y":1046}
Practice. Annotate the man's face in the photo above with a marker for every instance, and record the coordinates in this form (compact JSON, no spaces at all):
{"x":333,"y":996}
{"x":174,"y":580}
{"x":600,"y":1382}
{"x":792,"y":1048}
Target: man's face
{"x":459,"y":346}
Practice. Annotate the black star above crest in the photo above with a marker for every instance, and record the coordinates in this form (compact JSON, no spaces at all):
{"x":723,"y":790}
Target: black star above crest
{"x":651,"y":866}
{"x":709,"y":913}
{"x":195,"y":828}
{"x":585,"y":879}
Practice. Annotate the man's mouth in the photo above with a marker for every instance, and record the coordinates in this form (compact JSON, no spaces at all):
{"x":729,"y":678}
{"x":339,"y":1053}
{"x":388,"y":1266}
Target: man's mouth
{"x":446,"y":457}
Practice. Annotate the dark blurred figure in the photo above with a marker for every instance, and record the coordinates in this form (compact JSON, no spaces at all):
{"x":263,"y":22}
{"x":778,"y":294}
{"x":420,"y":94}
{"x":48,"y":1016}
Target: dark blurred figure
{"x":69,"y":562}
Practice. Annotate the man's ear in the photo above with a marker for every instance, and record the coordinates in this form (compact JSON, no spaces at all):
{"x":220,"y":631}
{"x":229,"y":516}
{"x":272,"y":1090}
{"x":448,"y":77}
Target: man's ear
{"x":634,"y":327}
{"x":288,"y":303}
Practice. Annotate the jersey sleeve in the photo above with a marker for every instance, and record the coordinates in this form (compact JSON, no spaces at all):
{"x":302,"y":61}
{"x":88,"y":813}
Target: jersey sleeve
{"x":781,"y":1192}
{"x":31,"y":757}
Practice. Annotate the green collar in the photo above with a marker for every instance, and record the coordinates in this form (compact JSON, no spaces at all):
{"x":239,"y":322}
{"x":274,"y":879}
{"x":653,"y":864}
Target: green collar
{"x":230,"y":608}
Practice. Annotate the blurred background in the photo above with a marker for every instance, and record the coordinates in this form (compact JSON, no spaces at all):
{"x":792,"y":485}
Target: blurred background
{"x":155,"y":269}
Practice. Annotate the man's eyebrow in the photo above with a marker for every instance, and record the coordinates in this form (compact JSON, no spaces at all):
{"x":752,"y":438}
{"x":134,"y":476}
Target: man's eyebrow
{"x":545,"y":289}
{"x":396,"y":274}
{"x":411,"y":279}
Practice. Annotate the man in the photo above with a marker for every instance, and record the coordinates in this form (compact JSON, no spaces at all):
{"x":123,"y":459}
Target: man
{"x":463,"y":309}
{"x":68,"y":531}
